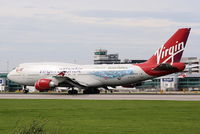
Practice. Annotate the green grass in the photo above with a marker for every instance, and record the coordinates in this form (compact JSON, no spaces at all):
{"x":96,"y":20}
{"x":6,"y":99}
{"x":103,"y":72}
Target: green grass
{"x":107,"y":117}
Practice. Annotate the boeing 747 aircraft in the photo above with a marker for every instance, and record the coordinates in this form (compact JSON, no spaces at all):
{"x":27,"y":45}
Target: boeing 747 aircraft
{"x":48,"y":75}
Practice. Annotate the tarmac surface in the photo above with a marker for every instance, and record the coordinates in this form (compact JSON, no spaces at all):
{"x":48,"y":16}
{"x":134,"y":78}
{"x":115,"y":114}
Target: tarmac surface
{"x":102,"y":97}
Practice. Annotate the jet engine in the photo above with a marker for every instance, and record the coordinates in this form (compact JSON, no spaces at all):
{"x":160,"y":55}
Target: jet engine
{"x":44,"y":84}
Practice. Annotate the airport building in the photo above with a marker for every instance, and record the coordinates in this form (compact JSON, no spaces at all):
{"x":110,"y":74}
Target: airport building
{"x":101,"y":57}
{"x":7,"y":85}
{"x":3,"y":82}
{"x":174,"y":82}
{"x":192,"y":65}
{"x":132,"y":61}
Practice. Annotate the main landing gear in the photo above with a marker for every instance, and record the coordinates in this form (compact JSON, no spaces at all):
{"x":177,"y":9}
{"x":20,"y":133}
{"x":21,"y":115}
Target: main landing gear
{"x":72,"y":91}
{"x":85,"y":91}
{"x":25,"y":90}
{"x":91,"y":91}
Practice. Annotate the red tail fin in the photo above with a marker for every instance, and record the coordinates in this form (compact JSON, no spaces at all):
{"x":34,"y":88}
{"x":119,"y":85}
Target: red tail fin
{"x":172,"y":50}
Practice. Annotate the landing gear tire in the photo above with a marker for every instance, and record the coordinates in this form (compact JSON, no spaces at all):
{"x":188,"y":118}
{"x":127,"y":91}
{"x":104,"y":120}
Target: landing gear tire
{"x":25,"y":91}
{"x":72,"y":92}
{"x":86,"y":91}
{"x":97,"y":91}
{"x":91,"y":91}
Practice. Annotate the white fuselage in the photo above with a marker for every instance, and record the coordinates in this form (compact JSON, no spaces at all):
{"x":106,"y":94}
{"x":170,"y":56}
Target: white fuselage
{"x":87,"y":75}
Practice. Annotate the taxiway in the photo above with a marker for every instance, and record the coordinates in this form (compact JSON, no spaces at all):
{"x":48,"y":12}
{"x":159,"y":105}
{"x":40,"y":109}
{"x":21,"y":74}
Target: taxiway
{"x":103,"y":97}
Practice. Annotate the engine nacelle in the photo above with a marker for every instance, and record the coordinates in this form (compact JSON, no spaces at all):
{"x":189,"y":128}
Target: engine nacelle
{"x":44,"y":84}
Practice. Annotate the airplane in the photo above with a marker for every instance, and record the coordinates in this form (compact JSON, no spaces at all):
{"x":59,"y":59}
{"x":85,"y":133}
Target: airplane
{"x":89,"y":78}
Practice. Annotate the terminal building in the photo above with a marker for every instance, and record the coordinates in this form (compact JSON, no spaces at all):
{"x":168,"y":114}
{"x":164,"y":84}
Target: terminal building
{"x":7,"y":85}
{"x":101,"y":57}
{"x":192,"y":65}
{"x":174,"y":82}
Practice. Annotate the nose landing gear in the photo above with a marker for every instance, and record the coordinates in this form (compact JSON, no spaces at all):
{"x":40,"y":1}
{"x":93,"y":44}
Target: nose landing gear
{"x":25,"y":90}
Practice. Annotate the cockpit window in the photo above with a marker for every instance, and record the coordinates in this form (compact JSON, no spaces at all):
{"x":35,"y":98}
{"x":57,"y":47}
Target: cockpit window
{"x":19,"y":69}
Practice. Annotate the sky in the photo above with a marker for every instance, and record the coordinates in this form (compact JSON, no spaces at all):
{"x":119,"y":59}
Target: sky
{"x":70,"y":30}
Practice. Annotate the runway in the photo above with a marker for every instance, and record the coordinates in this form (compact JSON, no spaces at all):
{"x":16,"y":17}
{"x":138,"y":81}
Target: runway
{"x":103,"y":97}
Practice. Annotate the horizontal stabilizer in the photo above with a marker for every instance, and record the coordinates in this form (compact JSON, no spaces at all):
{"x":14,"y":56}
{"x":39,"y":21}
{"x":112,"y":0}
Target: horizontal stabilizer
{"x":165,"y":67}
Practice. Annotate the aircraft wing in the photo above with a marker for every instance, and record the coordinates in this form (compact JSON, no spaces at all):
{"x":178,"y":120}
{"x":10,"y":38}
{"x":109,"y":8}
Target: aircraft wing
{"x":70,"y":81}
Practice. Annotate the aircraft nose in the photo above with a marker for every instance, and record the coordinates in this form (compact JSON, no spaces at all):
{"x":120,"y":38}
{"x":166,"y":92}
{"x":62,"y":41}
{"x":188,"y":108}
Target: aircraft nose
{"x":9,"y":76}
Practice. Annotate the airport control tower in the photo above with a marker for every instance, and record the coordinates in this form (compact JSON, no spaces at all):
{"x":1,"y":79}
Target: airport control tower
{"x":101,"y":57}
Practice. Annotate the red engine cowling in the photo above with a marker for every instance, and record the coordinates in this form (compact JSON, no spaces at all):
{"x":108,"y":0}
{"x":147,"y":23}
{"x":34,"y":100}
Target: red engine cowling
{"x":44,"y":84}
